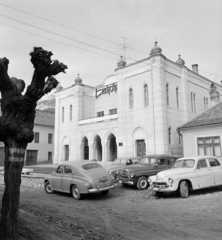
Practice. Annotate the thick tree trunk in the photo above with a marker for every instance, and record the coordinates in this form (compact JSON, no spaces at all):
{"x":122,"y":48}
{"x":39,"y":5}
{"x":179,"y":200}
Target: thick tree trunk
{"x":14,"y":160}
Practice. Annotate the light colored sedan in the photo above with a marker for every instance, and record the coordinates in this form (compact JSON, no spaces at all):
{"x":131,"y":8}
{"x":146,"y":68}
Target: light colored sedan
{"x":187,"y":174}
{"x":79,"y":178}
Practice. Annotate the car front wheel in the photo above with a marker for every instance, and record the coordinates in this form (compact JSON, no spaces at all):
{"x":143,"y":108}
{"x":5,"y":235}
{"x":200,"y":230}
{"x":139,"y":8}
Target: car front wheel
{"x":75,"y":193}
{"x":184,"y":189}
{"x":142,"y":183}
{"x":48,"y":188}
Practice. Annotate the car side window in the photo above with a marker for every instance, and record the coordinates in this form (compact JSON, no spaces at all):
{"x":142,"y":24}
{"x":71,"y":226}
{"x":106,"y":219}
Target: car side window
{"x":68,"y":170}
{"x":202,"y":163}
{"x":161,"y":161}
{"x":213,"y":162}
{"x":60,"y":169}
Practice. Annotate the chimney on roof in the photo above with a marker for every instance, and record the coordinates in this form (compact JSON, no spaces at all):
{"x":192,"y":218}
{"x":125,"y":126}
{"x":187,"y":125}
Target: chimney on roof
{"x":195,"y":68}
{"x":214,"y":95}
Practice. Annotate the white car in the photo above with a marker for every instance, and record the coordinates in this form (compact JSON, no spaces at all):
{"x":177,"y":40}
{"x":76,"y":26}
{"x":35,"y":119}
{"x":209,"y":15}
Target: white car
{"x":187,"y":174}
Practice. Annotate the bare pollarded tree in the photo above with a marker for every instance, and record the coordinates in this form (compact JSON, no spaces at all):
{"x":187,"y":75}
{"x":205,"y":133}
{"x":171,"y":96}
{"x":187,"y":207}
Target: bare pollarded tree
{"x":16,"y":128}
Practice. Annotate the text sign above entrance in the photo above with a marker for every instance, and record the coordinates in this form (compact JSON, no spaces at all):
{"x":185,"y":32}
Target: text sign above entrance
{"x":107,"y":89}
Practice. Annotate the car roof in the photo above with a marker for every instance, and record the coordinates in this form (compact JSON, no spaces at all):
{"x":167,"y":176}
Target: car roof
{"x":198,"y":157}
{"x":127,"y":157}
{"x":77,"y":164}
{"x":160,"y":155}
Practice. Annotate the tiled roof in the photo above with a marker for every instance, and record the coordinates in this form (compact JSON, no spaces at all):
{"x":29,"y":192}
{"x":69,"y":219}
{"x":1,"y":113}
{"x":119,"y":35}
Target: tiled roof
{"x":44,"y":118}
{"x":210,"y":117}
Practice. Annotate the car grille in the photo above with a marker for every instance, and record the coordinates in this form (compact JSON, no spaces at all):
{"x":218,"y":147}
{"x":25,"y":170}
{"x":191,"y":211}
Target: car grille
{"x":124,"y":174}
{"x":159,"y":183}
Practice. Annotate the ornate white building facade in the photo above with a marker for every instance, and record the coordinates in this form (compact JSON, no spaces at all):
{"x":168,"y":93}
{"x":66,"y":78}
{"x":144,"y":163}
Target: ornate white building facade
{"x":134,"y":112}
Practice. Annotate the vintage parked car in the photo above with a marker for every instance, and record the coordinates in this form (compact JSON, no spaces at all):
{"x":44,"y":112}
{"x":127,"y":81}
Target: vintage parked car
{"x":188,"y":173}
{"x":79,"y":178}
{"x":121,"y":163}
{"x":149,"y":165}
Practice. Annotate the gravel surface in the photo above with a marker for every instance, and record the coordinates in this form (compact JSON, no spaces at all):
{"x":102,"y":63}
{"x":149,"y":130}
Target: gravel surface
{"x":124,"y":214}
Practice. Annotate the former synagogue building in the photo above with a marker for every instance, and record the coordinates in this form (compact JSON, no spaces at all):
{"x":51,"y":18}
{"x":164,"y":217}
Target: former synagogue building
{"x":135,"y":111}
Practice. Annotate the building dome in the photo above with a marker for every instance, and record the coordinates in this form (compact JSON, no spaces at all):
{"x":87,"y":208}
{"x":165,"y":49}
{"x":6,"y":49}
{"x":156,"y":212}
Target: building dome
{"x":78,"y":80}
{"x":121,"y":62}
{"x":180,"y":61}
{"x":59,"y":87}
{"x":156,"y":49}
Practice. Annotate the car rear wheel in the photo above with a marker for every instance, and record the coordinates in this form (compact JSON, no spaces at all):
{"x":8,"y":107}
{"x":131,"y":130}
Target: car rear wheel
{"x":142,"y":183}
{"x":104,"y":192}
{"x":184,"y":189}
{"x":75,"y":193}
{"x":48,"y":188}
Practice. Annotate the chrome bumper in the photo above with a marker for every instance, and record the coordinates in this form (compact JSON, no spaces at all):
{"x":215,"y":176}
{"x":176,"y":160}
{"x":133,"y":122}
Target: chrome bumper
{"x":163,"y":188}
{"x":126,"y":182}
{"x":93,"y":190}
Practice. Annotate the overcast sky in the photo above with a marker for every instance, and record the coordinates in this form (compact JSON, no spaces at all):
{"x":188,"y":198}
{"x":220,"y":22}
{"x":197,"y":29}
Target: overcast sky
{"x":89,"y":34}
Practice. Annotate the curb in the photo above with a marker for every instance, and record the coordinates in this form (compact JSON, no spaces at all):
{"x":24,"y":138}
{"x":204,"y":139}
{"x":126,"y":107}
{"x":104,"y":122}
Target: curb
{"x":36,"y":181}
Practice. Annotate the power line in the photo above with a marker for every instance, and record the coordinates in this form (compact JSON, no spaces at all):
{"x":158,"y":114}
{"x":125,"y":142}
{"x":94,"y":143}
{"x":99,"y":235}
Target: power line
{"x":57,"y":34}
{"x":13,"y":19}
{"x":56,"y":41}
{"x":62,"y":25}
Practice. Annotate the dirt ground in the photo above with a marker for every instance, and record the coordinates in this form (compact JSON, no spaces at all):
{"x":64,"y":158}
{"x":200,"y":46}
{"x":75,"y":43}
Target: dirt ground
{"x":124,"y":214}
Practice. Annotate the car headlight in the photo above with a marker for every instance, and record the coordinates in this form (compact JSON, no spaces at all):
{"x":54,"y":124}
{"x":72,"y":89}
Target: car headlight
{"x":88,"y":185}
{"x":170,"y":180}
{"x":149,"y":180}
{"x":117,"y":172}
{"x":131,"y":175}
{"x":110,"y":171}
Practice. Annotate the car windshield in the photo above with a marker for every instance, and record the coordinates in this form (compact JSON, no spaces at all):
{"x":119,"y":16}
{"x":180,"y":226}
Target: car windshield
{"x":91,"y":166}
{"x":185,"y":163}
{"x":148,"y":160}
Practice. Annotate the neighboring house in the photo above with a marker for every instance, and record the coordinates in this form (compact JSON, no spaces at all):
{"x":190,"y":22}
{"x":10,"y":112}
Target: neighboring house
{"x":42,"y":148}
{"x":135,"y":111}
{"x":203,"y":134}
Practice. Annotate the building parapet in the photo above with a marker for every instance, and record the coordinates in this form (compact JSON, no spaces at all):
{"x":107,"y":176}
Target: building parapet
{"x":98,"y":119}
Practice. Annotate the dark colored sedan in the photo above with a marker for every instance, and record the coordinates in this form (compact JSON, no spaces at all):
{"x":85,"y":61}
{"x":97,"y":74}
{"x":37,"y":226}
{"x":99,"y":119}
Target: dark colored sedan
{"x":149,"y":165}
{"x":121,"y":163}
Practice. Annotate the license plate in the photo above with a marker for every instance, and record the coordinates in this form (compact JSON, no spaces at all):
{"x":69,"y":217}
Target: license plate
{"x":103,"y":179}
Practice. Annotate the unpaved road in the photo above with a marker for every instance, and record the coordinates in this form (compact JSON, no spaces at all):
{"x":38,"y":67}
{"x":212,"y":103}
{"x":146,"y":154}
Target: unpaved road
{"x":124,"y":214}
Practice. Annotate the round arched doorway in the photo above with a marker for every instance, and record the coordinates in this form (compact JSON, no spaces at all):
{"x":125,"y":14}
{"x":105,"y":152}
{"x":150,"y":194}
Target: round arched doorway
{"x":98,"y":148}
{"x":111,"y":148}
{"x":85,"y":149}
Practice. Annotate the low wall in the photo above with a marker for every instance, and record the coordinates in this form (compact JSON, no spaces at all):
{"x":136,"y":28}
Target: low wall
{"x":28,"y":181}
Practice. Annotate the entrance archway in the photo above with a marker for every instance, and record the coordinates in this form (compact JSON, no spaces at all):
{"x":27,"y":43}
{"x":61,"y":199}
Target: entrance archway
{"x":85,"y":149}
{"x":98,"y":148}
{"x":111,"y":148}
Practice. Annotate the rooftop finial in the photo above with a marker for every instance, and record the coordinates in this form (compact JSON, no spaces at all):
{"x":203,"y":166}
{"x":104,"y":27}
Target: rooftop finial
{"x":156,"y":49}
{"x":78,"y":80}
{"x":180,"y":61}
{"x":121,"y":62}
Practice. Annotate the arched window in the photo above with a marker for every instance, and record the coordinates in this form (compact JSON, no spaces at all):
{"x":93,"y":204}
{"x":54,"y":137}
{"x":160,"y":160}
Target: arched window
{"x":146,"y":98}
{"x":131,"y":98}
{"x":70,"y":117}
{"x":177,"y":96}
{"x":207,"y":103}
{"x":169,"y":135}
{"x":191,"y":99}
{"x":194,"y":102}
{"x":205,"y":106}
{"x":63,"y":112}
{"x":167,"y":94}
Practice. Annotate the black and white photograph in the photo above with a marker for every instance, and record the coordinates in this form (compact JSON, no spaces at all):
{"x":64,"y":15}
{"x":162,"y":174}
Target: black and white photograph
{"x":110,"y":119}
